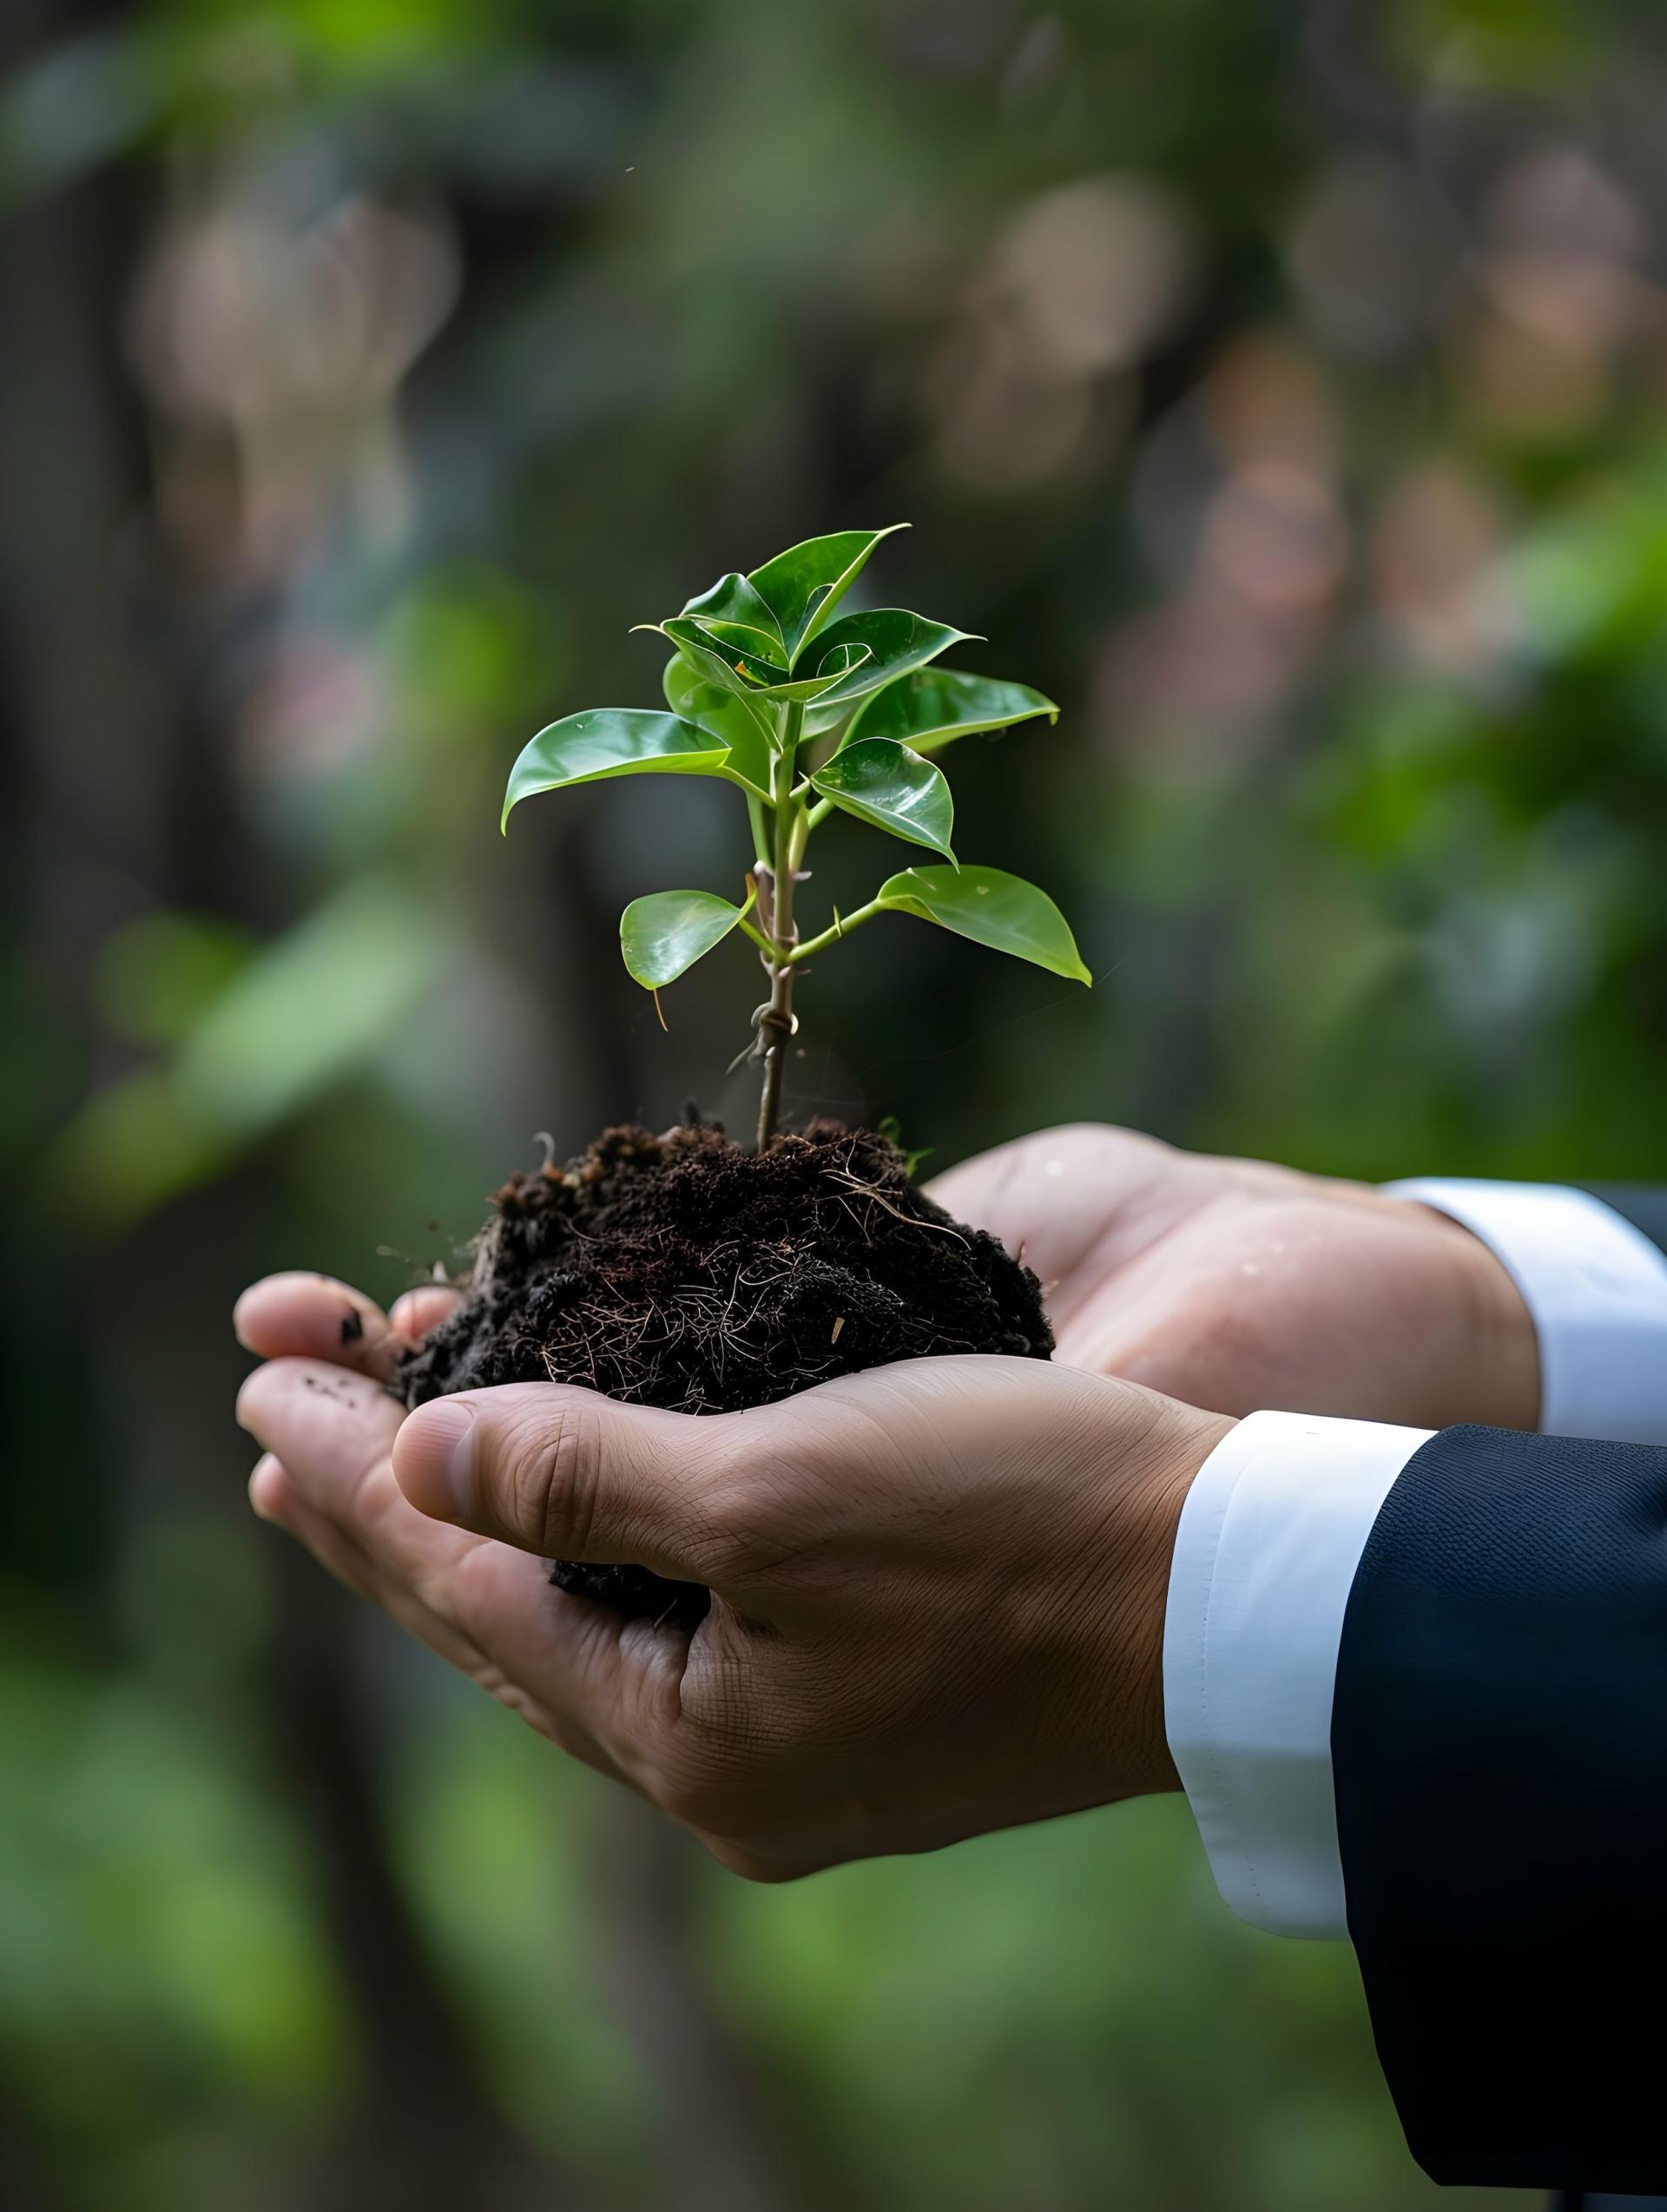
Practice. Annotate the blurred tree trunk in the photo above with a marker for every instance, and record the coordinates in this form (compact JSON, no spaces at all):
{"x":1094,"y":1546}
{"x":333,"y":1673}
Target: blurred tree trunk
{"x":107,"y":751}
{"x":721,"y":2149}
{"x":422,"y":2132}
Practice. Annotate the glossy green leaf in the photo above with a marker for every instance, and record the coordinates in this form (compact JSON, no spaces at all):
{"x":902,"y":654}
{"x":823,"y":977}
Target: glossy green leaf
{"x":661,"y":936}
{"x":690,"y":693}
{"x":897,"y":642}
{"x":701,"y":653}
{"x":882,"y":782}
{"x":993,"y":908}
{"x":719,"y":664}
{"x":612,"y":741}
{"x":930,"y":707}
{"x":802,"y":586}
{"x":831,"y":669}
{"x":819,"y":720}
{"x":740,"y":641}
{"x":763,"y":680}
{"x":732,"y":601}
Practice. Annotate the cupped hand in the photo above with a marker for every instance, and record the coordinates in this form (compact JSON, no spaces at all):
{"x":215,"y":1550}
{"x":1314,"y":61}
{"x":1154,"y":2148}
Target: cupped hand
{"x":939,"y":1587}
{"x":1239,"y":1286}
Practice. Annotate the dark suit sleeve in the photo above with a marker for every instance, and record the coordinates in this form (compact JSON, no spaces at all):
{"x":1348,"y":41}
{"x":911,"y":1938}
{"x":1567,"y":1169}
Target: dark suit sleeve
{"x":1641,"y":1204}
{"x":1499,"y":1756}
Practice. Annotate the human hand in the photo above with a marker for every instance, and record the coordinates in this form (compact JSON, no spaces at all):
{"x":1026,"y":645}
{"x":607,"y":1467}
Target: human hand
{"x":1239,"y":1286}
{"x":939,"y":1587}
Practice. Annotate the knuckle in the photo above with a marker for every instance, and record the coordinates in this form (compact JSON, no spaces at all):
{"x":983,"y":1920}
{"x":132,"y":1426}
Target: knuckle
{"x":550,"y":1474}
{"x":725,"y":1505}
{"x":745,"y":1509}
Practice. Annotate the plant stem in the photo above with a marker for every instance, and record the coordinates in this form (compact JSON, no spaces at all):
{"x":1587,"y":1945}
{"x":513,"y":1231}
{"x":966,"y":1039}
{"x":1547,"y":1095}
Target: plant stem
{"x":775,"y":1022}
{"x":843,"y":927}
{"x":799,"y":838}
{"x":760,"y":835}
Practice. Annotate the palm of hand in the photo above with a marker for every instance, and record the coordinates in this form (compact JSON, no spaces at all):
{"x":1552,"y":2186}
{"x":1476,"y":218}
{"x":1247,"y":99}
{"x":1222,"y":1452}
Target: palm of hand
{"x":1236,"y":1285}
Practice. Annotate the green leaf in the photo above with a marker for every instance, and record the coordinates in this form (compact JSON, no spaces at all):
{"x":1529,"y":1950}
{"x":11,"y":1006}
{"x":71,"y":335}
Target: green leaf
{"x":831,"y":669}
{"x":882,"y":782}
{"x":732,"y":600}
{"x":691,"y":693}
{"x":802,"y":586}
{"x":740,"y":641}
{"x":762,"y":681}
{"x":718,"y":666}
{"x":612,"y":741}
{"x":666,"y":934}
{"x":993,"y":908}
{"x":708,"y":661}
{"x":897,"y":642}
{"x":930,"y":707}
{"x":818,"y":720}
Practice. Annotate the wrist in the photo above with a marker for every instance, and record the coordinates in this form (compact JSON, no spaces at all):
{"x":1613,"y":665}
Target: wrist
{"x":1156,"y":1471}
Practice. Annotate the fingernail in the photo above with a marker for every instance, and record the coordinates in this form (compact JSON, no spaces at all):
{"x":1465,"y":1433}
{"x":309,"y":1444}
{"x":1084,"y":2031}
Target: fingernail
{"x":265,"y":1475}
{"x":434,"y":1460}
{"x":247,"y":1390}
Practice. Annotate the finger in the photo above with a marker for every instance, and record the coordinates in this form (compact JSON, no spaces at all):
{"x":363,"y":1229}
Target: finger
{"x":489,"y":1611}
{"x":268,"y":1487}
{"x":487,"y":1607}
{"x":327,"y":1436}
{"x":414,"y":1313}
{"x":968,"y":1189}
{"x":313,"y":1317}
{"x":571,"y":1475}
{"x":276,"y":1500}
{"x":326,"y":1426}
{"x":332,"y":1431}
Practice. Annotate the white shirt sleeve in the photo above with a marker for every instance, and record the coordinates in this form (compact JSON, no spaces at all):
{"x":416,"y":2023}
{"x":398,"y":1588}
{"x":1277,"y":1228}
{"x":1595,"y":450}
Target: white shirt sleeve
{"x":1597,"y":1290}
{"x":1269,"y":1537}
{"x":1273,"y":1529}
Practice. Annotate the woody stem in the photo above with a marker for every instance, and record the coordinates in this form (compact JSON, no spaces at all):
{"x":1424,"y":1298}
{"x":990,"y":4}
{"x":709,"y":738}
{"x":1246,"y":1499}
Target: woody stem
{"x":775,"y":1022}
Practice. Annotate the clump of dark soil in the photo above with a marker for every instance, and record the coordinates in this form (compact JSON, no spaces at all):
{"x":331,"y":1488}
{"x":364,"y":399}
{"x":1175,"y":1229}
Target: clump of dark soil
{"x":682,"y":1272}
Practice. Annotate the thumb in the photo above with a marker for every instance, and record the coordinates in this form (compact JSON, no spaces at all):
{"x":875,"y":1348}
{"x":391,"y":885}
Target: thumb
{"x":568,"y":1474}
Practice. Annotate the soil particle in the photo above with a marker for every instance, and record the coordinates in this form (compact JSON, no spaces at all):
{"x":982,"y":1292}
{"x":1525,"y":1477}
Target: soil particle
{"x":682,"y":1272}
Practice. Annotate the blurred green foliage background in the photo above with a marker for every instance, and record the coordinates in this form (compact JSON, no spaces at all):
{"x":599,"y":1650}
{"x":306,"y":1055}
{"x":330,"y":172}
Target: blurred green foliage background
{"x":1284,"y":389}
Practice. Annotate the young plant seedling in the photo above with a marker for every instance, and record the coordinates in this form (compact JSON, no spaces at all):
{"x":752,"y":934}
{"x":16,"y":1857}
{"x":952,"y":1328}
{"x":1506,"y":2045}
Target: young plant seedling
{"x":807,"y":712}
{"x":679,"y":1270}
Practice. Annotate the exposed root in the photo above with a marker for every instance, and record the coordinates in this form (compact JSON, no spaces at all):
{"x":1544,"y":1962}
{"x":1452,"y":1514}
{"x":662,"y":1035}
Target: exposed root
{"x":912,"y":1221}
{"x":679,"y":1271}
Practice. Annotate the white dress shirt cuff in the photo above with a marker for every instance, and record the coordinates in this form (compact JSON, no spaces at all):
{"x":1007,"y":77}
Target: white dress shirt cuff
{"x":1269,"y":1537}
{"x":1597,"y":1290}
